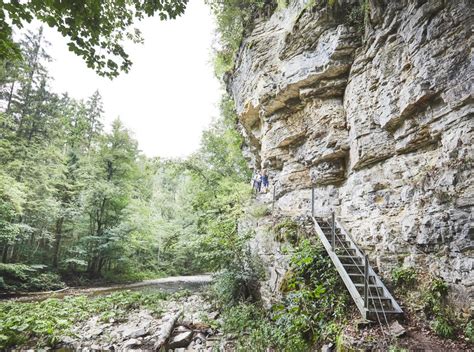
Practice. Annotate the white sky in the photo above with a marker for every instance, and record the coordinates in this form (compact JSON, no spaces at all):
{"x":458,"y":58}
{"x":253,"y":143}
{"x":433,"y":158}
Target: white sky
{"x":170,"y":94}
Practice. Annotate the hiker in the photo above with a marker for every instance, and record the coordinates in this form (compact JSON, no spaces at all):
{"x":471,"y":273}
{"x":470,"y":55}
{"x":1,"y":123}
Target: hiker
{"x":264,"y":180}
{"x":256,"y":181}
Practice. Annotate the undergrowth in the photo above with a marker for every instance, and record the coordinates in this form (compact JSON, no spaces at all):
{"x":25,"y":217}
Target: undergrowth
{"x":22,"y":277}
{"x":310,"y":313}
{"x":430,"y":295}
{"x":43,"y":323}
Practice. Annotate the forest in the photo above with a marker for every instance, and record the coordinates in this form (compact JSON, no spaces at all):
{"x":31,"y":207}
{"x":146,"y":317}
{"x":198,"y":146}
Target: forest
{"x":80,"y":202}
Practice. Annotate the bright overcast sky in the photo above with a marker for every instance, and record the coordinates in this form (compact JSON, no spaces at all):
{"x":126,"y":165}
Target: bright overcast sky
{"x":170,"y":94}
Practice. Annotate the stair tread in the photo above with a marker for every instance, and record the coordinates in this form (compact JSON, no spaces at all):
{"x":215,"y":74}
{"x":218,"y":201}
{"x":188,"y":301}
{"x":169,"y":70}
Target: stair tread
{"x":381,"y":298}
{"x":353,"y":257}
{"x":384,"y":311}
{"x":370,"y":285}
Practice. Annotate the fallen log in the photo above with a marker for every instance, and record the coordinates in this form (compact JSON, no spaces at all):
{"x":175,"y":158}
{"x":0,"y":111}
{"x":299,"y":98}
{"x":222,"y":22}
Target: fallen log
{"x":166,"y":329}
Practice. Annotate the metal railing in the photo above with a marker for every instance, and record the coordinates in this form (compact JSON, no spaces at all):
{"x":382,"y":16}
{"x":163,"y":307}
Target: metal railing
{"x":366,"y":271}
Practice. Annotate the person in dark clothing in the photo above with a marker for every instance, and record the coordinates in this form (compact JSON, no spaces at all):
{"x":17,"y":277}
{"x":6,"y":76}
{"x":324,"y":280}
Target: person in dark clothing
{"x":264,"y":181}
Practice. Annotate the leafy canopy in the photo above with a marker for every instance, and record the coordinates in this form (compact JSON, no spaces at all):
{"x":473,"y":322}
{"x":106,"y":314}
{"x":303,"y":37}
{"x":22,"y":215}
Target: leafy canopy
{"x":96,"y":30}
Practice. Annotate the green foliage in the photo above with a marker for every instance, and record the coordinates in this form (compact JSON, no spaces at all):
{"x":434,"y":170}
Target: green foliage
{"x":405,"y":277}
{"x":45,"y":322}
{"x":436,"y":308}
{"x":282,"y":4}
{"x":434,"y":297}
{"x":233,"y":19}
{"x":259,"y":210}
{"x":469,"y":330}
{"x":21,"y":277}
{"x":72,"y":196}
{"x":443,"y":327}
{"x":287,"y":230}
{"x":239,"y":281}
{"x":311,"y":311}
{"x":397,"y":349}
{"x":96,"y":30}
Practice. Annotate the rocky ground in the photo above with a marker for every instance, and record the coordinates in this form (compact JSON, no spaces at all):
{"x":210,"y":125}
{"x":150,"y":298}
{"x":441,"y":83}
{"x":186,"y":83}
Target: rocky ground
{"x":185,"y":325}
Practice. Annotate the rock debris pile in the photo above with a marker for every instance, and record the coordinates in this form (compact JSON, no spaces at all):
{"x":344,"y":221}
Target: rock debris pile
{"x":184,"y":326}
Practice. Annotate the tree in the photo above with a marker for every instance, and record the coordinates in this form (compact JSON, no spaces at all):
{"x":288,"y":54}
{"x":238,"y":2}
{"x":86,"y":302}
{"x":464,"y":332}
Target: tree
{"x":95,"y":29}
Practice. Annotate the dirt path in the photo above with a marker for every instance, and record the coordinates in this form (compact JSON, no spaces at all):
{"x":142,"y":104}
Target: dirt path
{"x":166,"y":284}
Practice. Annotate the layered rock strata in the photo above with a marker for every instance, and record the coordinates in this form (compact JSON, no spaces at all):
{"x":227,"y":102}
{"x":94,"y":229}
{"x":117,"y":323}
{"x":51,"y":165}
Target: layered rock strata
{"x":380,"y":123}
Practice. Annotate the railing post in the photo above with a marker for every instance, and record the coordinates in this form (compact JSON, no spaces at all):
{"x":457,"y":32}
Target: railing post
{"x":333,"y":227}
{"x":312,"y":201}
{"x":366,"y":281}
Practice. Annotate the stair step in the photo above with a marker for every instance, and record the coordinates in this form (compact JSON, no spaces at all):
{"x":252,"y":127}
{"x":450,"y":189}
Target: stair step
{"x":346,"y":251}
{"x":381,"y":298}
{"x":358,"y":278}
{"x":354,"y":268}
{"x":350,"y":259}
{"x":329,"y":230}
{"x":383,"y":311}
{"x":383,"y":305}
{"x":340,"y":242}
{"x":372,"y":288}
{"x":346,"y":244}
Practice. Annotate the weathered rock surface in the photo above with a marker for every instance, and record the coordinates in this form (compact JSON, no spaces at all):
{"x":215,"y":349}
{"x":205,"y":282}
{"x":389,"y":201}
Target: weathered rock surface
{"x":179,"y":328}
{"x":381,"y":125}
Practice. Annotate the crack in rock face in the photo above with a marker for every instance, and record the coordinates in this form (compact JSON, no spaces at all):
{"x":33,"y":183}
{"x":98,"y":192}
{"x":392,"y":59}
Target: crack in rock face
{"x":381,"y":124}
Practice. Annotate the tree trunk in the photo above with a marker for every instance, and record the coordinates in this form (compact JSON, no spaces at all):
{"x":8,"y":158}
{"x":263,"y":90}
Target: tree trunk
{"x":4,"y":254}
{"x":57,"y":241}
{"x":10,"y":96}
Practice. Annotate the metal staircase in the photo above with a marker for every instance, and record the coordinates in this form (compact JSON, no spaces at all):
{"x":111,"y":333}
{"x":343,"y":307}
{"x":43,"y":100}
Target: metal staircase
{"x":372,"y":298}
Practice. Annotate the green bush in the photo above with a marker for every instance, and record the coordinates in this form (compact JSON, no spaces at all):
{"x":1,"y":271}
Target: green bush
{"x":259,"y":210}
{"x":443,"y":327}
{"x":311,"y":311}
{"x":436,"y":308}
{"x":239,"y":282}
{"x":434,"y":297}
{"x":22,"y":277}
{"x":404,"y":277}
{"x":287,"y":230}
{"x":233,"y":18}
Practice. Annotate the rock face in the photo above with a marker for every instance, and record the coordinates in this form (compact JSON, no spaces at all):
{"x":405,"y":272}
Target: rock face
{"x":380,"y":123}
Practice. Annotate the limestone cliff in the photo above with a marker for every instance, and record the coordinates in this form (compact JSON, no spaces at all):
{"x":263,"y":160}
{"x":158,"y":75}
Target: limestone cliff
{"x":378,"y":117}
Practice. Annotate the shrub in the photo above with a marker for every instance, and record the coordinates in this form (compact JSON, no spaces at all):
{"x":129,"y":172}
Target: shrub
{"x":405,"y":277}
{"x":22,"y":277}
{"x":233,"y":18}
{"x":443,"y":327}
{"x":239,"y":282}
{"x":310,"y":312}
{"x":260,"y":210}
{"x":287,"y":230}
{"x":435,"y":307}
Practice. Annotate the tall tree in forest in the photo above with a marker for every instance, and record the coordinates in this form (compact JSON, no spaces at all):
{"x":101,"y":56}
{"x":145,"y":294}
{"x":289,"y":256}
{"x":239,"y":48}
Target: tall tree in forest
{"x":110,"y":177}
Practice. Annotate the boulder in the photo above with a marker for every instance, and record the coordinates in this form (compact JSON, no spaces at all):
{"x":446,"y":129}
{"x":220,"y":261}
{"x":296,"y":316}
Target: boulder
{"x":181,"y":340}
